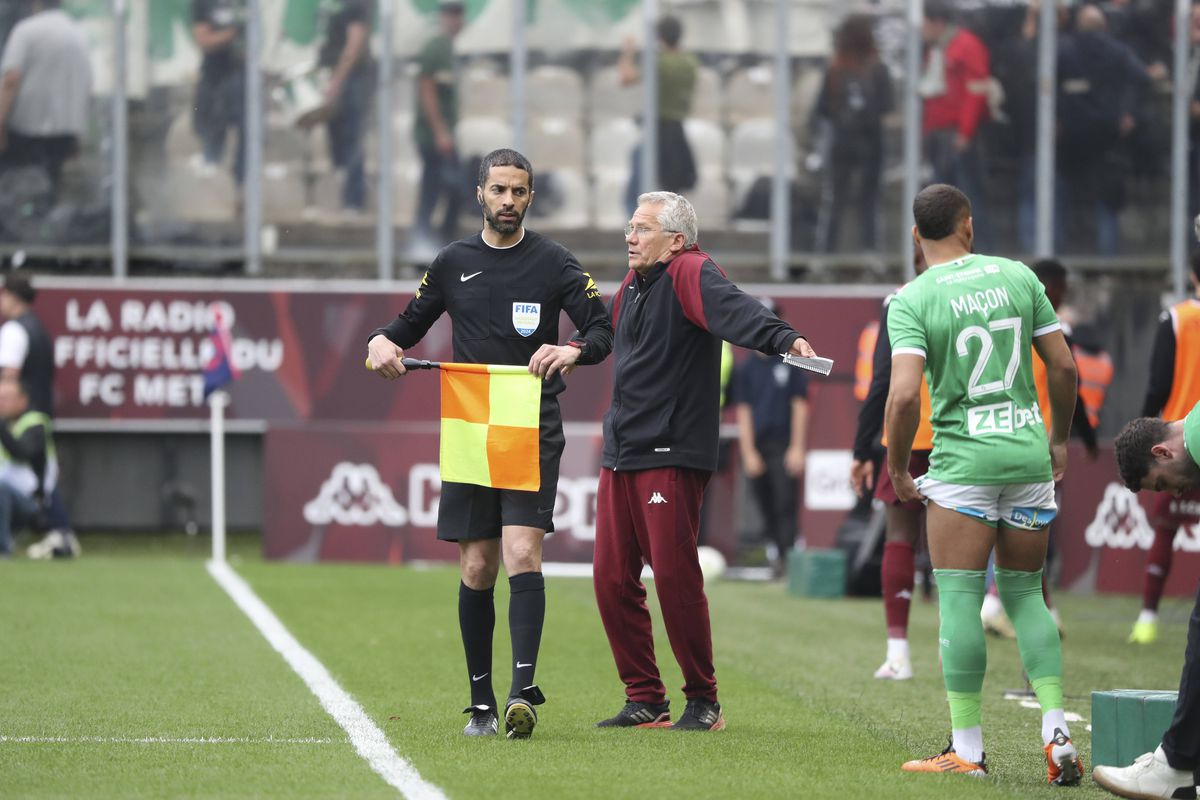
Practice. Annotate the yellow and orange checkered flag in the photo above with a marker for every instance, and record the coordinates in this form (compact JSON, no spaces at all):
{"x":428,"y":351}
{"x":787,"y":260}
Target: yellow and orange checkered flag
{"x":490,"y":417}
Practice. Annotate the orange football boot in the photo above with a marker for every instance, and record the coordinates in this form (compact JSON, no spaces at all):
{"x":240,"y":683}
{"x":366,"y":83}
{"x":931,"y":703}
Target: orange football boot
{"x":1063,"y":765}
{"x":949,"y":762}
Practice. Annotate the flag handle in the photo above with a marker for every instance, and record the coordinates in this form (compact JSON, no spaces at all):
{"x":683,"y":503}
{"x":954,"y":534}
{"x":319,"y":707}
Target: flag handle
{"x":412,"y":363}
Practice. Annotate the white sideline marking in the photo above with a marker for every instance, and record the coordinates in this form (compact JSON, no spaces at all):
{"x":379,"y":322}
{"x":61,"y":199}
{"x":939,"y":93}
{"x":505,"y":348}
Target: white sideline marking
{"x":365,"y":735}
{"x":159,"y":740}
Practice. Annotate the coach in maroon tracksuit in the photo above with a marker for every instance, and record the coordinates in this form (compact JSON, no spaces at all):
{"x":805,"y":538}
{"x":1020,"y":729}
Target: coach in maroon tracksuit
{"x":660,"y":448}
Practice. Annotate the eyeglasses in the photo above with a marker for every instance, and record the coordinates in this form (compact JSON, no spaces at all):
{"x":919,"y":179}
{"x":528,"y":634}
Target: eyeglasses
{"x":642,"y":230}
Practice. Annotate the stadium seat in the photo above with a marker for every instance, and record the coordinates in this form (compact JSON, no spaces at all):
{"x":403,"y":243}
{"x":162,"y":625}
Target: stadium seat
{"x":752,"y":150}
{"x":608,"y":99}
{"x":327,"y":192}
{"x":748,"y":94}
{"x":710,"y":198}
{"x":404,"y":146}
{"x":554,"y":92}
{"x":406,"y":178}
{"x":478,"y":136}
{"x":708,"y":147}
{"x":184,"y":192}
{"x":485,"y":91}
{"x":611,"y":144}
{"x":555,"y":143}
{"x":567,"y":201}
{"x":283,"y":192}
{"x":284,"y":143}
{"x":609,"y":213}
{"x":182,"y":142}
{"x":709,"y":101}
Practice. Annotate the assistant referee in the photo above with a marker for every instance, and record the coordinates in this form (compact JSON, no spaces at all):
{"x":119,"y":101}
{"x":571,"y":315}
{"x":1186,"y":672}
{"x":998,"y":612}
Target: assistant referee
{"x":483,"y":281}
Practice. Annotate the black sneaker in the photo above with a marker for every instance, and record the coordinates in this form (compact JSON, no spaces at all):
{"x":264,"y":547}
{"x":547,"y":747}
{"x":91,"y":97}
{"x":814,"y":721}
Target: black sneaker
{"x":640,"y":715}
{"x":484,"y":721}
{"x":700,"y":715}
{"x":519,"y":716}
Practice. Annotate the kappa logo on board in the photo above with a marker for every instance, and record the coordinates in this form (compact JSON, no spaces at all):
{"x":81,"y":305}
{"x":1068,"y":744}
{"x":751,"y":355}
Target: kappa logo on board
{"x":354,"y":494}
{"x":1121,"y":524}
{"x":1120,"y":521}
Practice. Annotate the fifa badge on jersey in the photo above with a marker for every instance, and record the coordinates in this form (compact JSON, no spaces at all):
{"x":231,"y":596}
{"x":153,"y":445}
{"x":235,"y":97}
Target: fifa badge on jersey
{"x":526,"y":316}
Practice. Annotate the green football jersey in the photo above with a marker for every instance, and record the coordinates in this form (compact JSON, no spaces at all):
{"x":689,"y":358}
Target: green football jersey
{"x":1191,"y":433}
{"x":974,"y":321}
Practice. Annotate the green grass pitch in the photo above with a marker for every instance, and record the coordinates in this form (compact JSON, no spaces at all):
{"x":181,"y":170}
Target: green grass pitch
{"x":129,"y":673}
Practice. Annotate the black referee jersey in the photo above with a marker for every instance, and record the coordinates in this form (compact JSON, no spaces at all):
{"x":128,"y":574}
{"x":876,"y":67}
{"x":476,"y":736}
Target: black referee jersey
{"x":505,"y":303}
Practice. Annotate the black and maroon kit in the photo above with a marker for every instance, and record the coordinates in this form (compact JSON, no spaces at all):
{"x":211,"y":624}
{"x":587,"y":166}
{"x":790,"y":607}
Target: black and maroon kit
{"x":668,"y":327}
{"x":660,"y":447}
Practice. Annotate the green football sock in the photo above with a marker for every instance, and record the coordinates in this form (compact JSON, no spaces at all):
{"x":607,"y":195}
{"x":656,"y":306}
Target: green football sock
{"x":1037,"y":635}
{"x":964,"y":650}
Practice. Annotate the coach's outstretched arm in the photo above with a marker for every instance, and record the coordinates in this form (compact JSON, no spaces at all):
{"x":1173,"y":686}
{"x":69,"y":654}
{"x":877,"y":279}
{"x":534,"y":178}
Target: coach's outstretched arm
{"x":1061,"y":379}
{"x":714,"y":303}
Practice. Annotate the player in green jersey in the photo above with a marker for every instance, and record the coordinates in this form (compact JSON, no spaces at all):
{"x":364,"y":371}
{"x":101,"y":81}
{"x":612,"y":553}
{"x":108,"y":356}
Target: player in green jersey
{"x":969,"y":323}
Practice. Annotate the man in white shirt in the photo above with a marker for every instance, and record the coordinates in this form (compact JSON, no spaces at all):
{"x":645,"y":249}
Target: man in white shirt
{"x":45,"y":85}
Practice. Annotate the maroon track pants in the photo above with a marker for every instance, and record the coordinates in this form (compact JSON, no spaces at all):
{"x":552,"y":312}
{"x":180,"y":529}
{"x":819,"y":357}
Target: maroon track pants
{"x":653,"y":515}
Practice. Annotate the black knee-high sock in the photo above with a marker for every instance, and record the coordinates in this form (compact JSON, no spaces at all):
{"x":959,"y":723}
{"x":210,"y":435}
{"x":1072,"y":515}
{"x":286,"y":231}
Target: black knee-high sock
{"x":477,"y":620}
{"x":526,"y":613}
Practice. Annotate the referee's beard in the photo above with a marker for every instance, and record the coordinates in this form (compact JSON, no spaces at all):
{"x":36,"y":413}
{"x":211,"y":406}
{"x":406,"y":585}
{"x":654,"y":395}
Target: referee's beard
{"x":503,"y":225}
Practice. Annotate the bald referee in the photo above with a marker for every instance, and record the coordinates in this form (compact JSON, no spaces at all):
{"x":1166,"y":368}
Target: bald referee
{"x":480,"y":282}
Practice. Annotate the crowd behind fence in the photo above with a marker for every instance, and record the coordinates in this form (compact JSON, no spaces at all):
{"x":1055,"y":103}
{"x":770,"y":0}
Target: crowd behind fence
{"x":202,"y":161}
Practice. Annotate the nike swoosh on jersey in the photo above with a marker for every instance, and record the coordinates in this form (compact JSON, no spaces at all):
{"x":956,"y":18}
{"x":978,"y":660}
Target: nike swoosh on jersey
{"x":465,"y":277}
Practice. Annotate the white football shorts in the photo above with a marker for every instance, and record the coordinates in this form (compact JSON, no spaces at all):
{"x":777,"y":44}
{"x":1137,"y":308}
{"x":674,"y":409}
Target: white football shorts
{"x":1029,"y":506}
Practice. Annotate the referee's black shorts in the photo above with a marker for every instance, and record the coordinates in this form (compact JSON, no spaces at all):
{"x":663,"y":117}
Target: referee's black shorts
{"x":467,"y":511}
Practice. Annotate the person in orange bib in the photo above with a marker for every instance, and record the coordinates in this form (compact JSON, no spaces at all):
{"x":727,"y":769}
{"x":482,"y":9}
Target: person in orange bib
{"x":904,"y":519}
{"x":1173,"y":390}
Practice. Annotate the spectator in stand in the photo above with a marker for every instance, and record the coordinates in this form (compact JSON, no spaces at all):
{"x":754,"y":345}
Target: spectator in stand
{"x":771,"y":399}
{"x":218,"y":26}
{"x":1099,"y":81}
{"x":437,"y":114}
{"x":954,"y":84}
{"x":45,"y":86}
{"x":347,"y":52}
{"x":1015,"y":67}
{"x":677,"y":72}
{"x":856,"y":94}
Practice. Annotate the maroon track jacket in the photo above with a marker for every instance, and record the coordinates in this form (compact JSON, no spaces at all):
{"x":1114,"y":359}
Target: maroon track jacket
{"x":668,"y":328}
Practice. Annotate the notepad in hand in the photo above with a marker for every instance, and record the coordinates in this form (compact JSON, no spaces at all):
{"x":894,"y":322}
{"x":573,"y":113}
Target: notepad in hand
{"x":821,"y":366}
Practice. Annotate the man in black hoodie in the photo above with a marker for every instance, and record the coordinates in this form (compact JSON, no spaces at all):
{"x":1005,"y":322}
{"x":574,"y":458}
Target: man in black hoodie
{"x":660,"y":447}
